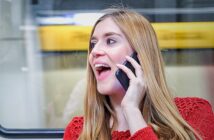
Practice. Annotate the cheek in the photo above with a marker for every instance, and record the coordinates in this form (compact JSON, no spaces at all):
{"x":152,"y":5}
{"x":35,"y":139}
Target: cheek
{"x":119,"y":57}
{"x":90,"y":60}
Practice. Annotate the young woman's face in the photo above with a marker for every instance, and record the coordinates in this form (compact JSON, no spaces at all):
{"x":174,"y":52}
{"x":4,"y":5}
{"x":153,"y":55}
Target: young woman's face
{"x":109,"y":47}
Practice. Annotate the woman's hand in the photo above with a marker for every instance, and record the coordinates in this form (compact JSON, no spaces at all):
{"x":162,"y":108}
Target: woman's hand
{"x":137,"y":87}
{"x":133,"y":97}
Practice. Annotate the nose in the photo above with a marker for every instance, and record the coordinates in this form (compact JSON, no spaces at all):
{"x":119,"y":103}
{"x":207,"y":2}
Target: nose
{"x":96,"y":52}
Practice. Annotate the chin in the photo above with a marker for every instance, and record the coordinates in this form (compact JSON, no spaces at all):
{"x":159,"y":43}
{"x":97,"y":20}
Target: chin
{"x":104,"y":90}
{"x":110,"y":89}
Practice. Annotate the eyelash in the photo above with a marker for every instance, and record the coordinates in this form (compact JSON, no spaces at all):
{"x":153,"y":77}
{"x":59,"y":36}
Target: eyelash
{"x":92,"y":44}
{"x":109,"y":41}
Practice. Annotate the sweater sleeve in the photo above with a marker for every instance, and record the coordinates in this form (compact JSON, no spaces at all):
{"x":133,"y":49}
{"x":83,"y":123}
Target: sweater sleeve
{"x":198,"y":113}
{"x":146,"y":133}
{"x":74,"y":128}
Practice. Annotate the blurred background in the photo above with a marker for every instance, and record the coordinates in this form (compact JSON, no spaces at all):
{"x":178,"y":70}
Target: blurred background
{"x":43,"y":52}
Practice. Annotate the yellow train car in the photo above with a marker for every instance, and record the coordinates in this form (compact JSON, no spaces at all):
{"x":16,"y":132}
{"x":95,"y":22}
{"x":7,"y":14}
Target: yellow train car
{"x":171,"y":35}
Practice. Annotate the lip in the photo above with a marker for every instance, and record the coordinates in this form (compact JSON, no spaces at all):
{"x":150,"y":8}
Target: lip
{"x":100,"y":62}
{"x":103,"y":75}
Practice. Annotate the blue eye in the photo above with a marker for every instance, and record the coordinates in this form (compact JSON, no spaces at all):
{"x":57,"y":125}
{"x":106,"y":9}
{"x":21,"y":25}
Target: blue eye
{"x":110,"y":41}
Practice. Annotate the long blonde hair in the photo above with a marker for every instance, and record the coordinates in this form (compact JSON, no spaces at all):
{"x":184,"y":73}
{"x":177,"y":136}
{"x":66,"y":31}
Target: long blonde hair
{"x":158,"y":107}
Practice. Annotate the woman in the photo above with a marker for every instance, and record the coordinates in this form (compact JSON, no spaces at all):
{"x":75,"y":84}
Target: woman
{"x":146,"y":110}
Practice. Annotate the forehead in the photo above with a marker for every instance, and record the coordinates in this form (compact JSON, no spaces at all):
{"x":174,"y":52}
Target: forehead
{"x":105,"y":26}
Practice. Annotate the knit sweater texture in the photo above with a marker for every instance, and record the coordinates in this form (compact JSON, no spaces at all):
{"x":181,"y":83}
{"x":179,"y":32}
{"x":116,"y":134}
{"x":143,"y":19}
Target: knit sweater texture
{"x":196,"y":111}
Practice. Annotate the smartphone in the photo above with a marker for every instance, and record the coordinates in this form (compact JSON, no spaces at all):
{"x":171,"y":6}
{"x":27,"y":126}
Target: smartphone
{"x":122,"y":76}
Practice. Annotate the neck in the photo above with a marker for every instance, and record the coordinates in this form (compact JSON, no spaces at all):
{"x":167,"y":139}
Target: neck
{"x":116,"y":103}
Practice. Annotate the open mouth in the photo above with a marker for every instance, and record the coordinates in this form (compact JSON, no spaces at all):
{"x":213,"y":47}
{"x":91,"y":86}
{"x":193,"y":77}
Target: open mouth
{"x":102,"y":68}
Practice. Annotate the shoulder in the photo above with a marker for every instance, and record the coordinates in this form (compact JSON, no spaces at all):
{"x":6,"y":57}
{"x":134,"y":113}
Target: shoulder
{"x":191,"y":101}
{"x":74,"y":128}
{"x":189,"y":105}
{"x":198,"y":113}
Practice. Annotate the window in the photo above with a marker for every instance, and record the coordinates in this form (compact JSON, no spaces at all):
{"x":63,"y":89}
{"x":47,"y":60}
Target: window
{"x":43,"y":51}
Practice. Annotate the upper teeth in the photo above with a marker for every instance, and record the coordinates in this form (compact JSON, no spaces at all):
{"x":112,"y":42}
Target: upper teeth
{"x":100,"y":65}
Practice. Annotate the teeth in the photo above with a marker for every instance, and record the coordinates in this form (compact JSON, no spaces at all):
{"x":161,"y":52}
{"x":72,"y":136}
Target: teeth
{"x":100,"y":65}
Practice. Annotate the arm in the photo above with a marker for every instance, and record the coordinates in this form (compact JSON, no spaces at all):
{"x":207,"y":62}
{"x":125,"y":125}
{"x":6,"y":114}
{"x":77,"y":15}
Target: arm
{"x":73,"y":129}
{"x":138,"y":127}
{"x":198,"y":113}
{"x":201,"y":118}
{"x":131,"y":101}
{"x":134,"y":118}
{"x":133,"y":97}
{"x":144,"y":134}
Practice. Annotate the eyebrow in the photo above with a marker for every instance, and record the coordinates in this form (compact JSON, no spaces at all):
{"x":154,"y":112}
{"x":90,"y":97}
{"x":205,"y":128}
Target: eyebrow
{"x":107,"y":34}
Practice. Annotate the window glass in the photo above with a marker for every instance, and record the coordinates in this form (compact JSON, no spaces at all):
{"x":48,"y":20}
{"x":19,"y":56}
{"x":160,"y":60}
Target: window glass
{"x":43,"y":51}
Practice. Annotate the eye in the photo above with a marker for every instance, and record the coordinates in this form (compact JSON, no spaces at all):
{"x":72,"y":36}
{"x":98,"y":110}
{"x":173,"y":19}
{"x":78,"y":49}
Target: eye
{"x":92,"y":44}
{"x":110,"y":41}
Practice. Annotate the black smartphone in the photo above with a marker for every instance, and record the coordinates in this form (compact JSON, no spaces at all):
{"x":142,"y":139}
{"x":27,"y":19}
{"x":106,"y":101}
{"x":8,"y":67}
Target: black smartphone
{"x":122,"y":76}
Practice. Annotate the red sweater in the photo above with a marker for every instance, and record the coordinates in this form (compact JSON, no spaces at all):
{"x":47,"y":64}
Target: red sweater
{"x":196,"y":111}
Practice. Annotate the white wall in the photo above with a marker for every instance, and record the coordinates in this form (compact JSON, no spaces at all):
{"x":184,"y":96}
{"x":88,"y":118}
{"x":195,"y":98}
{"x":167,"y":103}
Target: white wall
{"x":192,"y":81}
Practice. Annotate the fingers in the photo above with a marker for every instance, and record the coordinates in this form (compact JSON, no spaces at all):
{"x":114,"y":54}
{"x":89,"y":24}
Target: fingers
{"x":137,"y":67}
{"x":128,"y":71}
